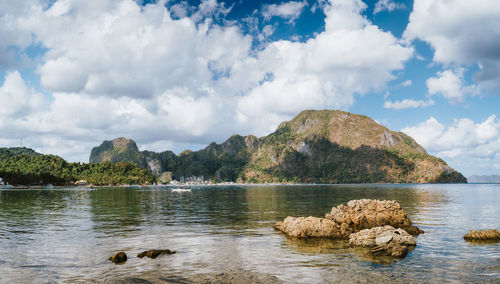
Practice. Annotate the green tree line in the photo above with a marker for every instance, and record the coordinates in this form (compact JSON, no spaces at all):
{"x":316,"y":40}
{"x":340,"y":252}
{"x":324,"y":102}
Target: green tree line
{"x":26,"y":167}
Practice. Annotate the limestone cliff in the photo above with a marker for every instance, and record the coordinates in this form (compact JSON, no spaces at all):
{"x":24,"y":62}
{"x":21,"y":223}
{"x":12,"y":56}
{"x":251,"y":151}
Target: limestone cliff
{"x":316,"y":146}
{"x":126,"y":150}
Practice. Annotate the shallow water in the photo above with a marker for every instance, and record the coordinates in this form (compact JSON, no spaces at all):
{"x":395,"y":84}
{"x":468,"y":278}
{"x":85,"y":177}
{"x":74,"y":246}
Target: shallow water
{"x":66,"y":235}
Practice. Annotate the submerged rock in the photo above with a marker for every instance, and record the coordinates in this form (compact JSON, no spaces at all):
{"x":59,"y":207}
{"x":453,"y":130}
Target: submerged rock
{"x":368,"y":213}
{"x":391,"y":249}
{"x":387,"y":239}
{"x":154,"y":253}
{"x":304,"y":227}
{"x":119,"y":257}
{"x":483,"y":235}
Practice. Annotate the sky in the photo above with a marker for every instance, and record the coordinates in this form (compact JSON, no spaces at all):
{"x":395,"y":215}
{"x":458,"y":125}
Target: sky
{"x":175,"y":75}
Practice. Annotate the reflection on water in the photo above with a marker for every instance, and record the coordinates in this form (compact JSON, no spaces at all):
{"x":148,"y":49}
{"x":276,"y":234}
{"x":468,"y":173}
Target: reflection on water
{"x":66,"y":235}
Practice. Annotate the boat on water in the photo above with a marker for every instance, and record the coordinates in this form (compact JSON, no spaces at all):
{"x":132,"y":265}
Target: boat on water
{"x":4,"y":185}
{"x":181,"y":189}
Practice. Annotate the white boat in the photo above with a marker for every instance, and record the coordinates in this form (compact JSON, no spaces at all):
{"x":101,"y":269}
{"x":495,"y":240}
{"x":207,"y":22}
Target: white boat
{"x":4,"y":185}
{"x":180,"y":189}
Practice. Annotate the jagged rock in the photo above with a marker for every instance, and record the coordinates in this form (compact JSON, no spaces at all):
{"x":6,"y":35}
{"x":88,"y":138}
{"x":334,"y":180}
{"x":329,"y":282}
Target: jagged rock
{"x":303,"y":227}
{"x":483,"y":235}
{"x":386,"y":239}
{"x":119,"y":257}
{"x":154,"y":253}
{"x":368,"y":213}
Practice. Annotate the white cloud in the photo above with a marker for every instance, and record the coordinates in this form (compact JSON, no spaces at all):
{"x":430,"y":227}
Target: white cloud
{"x":387,"y":5}
{"x":18,"y":100}
{"x":117,"y":69}
{"x":464,"y":138}
{"x":351,"y":56}
{"x":450,"y":84}
{"x":15,"y":36}
{"x":407,"y":103}
{"x":461,"y":32}
{"x":406,"y":83}
{"x":287,"y":10}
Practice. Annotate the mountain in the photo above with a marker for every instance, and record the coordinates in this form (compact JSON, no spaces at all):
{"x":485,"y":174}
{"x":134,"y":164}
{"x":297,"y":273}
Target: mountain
{"x":326,"y":146}
{"x":126,"y":150}
{"x":484,"y":179}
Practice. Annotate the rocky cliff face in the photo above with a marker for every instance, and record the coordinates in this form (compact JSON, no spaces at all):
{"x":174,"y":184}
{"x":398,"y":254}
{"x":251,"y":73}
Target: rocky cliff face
{"x":340,"y":147}
{"x":316,"y":146}
{"x":126,"y":150}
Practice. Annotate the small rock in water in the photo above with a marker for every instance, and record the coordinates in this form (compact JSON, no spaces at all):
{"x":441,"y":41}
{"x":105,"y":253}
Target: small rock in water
{"x":483,"y":235}
{"x":387,"y":240}
{"x":154,"y":253}
{"x":119,"y":257}
{"x":381,"y":236}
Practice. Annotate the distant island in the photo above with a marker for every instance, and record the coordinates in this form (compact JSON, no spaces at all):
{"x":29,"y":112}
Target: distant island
{"x":484,"y":179}
{"x":326,"y":146}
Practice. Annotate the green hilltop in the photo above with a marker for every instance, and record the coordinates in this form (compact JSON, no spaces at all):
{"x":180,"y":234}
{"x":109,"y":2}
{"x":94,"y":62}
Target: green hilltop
{"x":326,"y":146}
{"x":24,"y":166}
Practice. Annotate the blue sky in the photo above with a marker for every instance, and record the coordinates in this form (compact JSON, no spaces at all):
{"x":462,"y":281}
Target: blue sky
{"x":180,"y":74}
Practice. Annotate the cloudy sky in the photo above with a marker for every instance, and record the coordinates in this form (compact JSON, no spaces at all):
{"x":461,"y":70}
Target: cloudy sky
{"x":180,"y":74}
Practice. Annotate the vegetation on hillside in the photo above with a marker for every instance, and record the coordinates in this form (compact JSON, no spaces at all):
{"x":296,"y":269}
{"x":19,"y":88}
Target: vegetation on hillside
{"x":314,"y":147}
{"x":23,"y":166}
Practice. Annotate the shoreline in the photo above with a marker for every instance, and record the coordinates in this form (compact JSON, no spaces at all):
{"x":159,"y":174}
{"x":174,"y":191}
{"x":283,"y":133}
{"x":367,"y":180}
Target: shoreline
{"x":167,"y":186}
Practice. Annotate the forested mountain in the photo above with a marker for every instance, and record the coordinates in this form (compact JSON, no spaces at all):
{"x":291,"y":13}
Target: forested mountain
{"x":316,"y":147}
{"x":23,"y":166}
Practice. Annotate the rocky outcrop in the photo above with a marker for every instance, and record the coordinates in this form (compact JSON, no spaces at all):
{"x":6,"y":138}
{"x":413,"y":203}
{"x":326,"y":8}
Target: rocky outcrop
{"x":366,"y":222}
{"x":387,"y":240}
{"x":368,"y":213}
{"x":125,"y":150}
{"x":119,"y":257}
{"x":483,"y":235}
{"x":344,"y":220}
{"x":154,"y":253}
{"x":303,"y":227}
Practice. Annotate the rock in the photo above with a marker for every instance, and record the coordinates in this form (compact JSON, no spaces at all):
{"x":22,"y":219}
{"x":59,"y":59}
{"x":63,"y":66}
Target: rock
{"x":303,"y":227}
{"x":391,"y":249}
{"x":368,"y":213}
{"x":119,"y":257}
{"x":381,"y":236}
{"x":383,"y":240}
{"x":154,"y":253}
{"x":344,"y":220}
{"x":387,"y":239}
{"x":483,"y":235}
